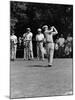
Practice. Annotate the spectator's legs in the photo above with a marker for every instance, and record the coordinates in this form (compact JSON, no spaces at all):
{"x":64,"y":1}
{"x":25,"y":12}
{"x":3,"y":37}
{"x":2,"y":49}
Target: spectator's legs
{"x":13,"y":53}
{"x":31,"y":54}
{"x":10,"y":52}
{"x":38,"y":51}
{"x":27,"y":53}
{"x":15,"y":49}
{"x":60,"y":52}
{"x":24,"y":53}
{"x":42,"y":52}
{"x":31,"y":50}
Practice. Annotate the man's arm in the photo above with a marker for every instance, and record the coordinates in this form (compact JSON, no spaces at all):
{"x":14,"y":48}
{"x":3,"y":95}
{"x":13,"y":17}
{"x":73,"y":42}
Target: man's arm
{"x":51,"y":30}
{"x":54,"y":30}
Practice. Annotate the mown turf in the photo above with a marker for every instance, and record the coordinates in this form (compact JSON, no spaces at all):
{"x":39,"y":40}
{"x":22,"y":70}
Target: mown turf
{"x":34,"y":78}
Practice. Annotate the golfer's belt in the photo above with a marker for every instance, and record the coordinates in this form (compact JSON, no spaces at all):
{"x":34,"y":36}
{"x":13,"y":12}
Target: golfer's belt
{"x":39,"y":41}
{"x":48,"y":42}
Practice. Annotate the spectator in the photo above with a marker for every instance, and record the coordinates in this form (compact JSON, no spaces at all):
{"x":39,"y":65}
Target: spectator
{"x":40,"y":40}
{"x":13,"y":43}
{"x":56,"y":52}
{"x":28,"y":47}
{"x":19,"y":47}
{"x":61,"y":46}
{"x":69,"y":46}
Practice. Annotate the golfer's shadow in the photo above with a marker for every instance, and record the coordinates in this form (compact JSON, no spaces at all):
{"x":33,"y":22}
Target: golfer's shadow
{"x":41,"y":66}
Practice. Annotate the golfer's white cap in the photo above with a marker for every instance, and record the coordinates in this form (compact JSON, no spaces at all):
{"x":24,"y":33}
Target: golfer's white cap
{"x":45,"y":26}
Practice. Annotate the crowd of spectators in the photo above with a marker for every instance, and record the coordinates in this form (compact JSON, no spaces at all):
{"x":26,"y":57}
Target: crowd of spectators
{"x":63,"y":47}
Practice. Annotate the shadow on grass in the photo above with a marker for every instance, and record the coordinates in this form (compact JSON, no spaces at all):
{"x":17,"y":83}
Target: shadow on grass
{"x":38,"y":66}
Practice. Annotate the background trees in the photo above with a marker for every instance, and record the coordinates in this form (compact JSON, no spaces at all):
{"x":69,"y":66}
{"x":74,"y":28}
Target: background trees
{"x":34,"y":15}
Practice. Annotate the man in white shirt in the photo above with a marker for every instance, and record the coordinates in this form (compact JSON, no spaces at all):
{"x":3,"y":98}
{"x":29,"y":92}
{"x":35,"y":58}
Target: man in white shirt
{"x":49,"y":42}
{"x":13,"y":46}
{"x":61,"y":42}
{"x":69,"y":38}
{"x":40,"y":40}
{"x":28,"y":43}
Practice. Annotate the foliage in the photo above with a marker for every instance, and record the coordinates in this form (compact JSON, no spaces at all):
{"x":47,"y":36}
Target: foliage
{"x":36,"y":15}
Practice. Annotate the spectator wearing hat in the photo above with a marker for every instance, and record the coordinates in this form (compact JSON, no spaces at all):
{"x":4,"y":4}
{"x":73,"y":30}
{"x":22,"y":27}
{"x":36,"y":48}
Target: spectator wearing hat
{"x":40,"y":40}
{"x":29,"y":46}
{"x":13,"y":45}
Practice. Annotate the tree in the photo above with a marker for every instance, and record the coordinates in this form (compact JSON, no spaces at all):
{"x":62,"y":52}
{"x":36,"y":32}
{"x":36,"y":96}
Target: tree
{"x":35,"y":15}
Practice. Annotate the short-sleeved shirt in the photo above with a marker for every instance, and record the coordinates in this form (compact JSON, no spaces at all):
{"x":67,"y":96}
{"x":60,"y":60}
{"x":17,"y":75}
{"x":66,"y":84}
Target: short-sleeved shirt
{"x":39,"y":37}
{"x":69,"y":39}
{"x":27,"y":39}
{"x":14,"y":39}
{"x":24,"y":37}
{"x":29,"y":36}
{"x":61,"y":41}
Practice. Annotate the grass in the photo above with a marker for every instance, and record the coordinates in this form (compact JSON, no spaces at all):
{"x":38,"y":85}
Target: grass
{"x":35,"y":79}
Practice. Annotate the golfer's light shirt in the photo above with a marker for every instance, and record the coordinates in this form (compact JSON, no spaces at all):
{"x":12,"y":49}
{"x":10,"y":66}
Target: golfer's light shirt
{"x":48,"y":36}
